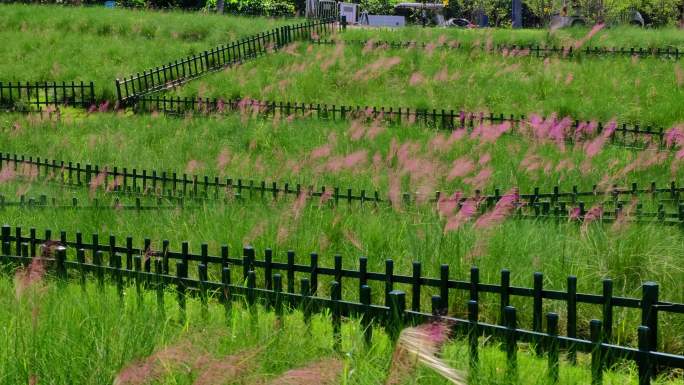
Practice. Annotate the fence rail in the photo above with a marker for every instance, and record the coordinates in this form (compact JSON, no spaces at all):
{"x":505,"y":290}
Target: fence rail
{"x":28,"y":96}
{"x":182,"y":185}
{"x":393,"y":308}
{"x":565,"y":211}
{"x":632,"y":134}
{"x":519,"y":49}
{"x":181,"y":71}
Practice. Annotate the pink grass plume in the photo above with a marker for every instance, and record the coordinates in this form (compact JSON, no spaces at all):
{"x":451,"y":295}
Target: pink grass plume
{"x":503,"y":208}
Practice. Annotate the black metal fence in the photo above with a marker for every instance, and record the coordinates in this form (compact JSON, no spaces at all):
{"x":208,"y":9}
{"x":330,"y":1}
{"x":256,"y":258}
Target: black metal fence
{"x":183,"y":185}
{"x":519,"y":49}
{"x":30,"y":96}
{"x":153,"y":269}
{"x":181,"y":71}
{"x":631,"y":134}
{"x":128,"y":200}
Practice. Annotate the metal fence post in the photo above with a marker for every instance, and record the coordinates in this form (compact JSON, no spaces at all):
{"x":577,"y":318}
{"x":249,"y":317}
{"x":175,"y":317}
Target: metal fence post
{"x":397,"y":306}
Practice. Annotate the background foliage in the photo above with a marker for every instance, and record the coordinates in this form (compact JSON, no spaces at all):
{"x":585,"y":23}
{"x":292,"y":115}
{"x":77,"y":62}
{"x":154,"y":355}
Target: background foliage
{"x":535,"y":12}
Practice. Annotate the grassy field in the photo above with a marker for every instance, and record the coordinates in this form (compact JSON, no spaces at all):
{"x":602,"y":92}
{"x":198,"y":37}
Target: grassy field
{"x":54,"y":43}
{"x":63,"y":335}
{"x":372,"y":156}
{"x":607,"y":37}
{"x":261,"y":149}
{"x":361,"y":155}
{"x":646,"y":90}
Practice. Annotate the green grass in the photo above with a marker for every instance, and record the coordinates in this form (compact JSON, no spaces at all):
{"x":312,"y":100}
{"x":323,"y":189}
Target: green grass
{"x":61,"y":333}
{"x":282,"y":152}
{"x":609,"y":37}
{"x":263,"y":149}
{"x":88,"y":337}
{"x":53,"y":43}
{"x":643,"y":91}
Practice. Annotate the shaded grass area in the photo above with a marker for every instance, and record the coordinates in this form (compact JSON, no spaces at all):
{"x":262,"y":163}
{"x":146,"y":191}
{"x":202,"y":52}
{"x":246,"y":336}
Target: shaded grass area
{"x":327,"y":153}
{"x":106,"y":342}
{"x":53,"y":43}
{"x":631,"y":90}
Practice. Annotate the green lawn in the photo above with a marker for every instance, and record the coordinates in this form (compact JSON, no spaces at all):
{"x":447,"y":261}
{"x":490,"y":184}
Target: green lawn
{"x":626,"y":37}
{"x":282,"y":152}
{"x":55,"y":333}
{"x":645,"y":90}
{"x":54,"y":43}
{"x":326,"y":153}
{"x":60,"y":334}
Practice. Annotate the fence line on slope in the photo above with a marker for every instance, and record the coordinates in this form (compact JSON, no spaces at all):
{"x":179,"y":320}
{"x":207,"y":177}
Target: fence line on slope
{"x":517,"y":49}
{"x":181,"y":71}
{"x":173,"y":183}
{"x":392,"y":309}
{"x":558,"y":211}
{"x":631,"y":134}
{"x":23,"y":96}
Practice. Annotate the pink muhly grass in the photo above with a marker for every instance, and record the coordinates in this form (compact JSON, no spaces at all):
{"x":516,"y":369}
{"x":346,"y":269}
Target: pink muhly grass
{"x":324,"y":372}
{"x":679,"y":75}
{"x":594,"y":30}
{"x":460,"y":168}
{"x":377,"y":161}
{"x":193,"y":165}
{"x":375,"y":129}
{"x":98,"y":181}
{"x":411,"y":118}
{"x":467,"y":211}
{"x":430,"y":49}
{"x":489,"y":44}
{"x":446,"y":205}
{"x":569,"y":78}
{"x":299,"y":204}
{"x":395,"y":190}
{"x":104,"y":107}
{"x":503,"y":208}
{"x":368,"y":47}
{"x":574,"y":214}
{"x":356,"y":130}
{"x":421,"y":345}
{"x":7,"y":173}
{"x":594,"y":147}
{"x":623,"y":216}
{"x":223,"y":159}
{"x":356,"y":158}
{"x":594,"y":214}
{"x":256,"y":232}
{"x":484,"y":159}
{"x":674,"y":136}
{"x":325,"y":196}
{"x":457,"y":135}
{"x":442,"y":75}
{"x":393,"y":150}
{"x":321,"y":152}
{"x":438,"y":143}
{"x":353,"y":240}
{"x":531,"y":162}
{"x":480,"y":180}
{"x":29,"y":277}
{"x":416,"y":79}
{"x":490,"y":133}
